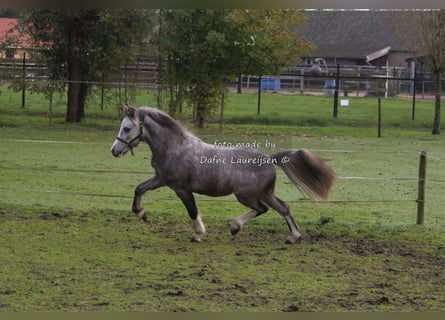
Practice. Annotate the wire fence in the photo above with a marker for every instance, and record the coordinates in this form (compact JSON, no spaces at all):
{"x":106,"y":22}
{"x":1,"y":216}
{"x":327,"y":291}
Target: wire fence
{"x":349,"y":81}
{"x":346,"y":80}
{"x":411,"y":180}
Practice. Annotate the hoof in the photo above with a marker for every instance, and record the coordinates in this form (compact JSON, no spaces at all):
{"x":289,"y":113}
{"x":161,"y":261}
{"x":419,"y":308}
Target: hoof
{"x":235,"y":227}
{"x":292,"y":239}
{"x":141,"y":214}
{"x":195,"y":238}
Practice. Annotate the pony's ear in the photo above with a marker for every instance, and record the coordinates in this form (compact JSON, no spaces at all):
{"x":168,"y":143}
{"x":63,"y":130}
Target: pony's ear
{"x":130,"y":111}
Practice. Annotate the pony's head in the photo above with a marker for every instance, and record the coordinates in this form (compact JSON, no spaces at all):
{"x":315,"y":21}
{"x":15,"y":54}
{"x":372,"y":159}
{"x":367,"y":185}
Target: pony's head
{"x":129,"y":134}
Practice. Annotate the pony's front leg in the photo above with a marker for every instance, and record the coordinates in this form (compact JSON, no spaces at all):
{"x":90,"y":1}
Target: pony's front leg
{"x":189,"y":201}
{"x":150,"y":184}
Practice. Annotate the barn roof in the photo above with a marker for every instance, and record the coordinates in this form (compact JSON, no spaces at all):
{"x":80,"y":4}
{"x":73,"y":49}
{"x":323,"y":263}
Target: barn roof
{"x":11,"y":36}
{"x":355,"y":34}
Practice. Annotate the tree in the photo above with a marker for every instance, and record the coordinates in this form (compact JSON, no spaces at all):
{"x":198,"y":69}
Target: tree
{"x":86,"y":45}
{"x":9,"y":13}
{"x":204,"y":47}
{"x":424,"y":32}
{"x":272,"y":39}
{"x":194,"y":43}
{"x":433,"y":39}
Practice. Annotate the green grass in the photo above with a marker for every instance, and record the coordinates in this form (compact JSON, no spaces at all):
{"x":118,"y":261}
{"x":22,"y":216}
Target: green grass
{"x":283,"y":110}
{"x":70,"y":242}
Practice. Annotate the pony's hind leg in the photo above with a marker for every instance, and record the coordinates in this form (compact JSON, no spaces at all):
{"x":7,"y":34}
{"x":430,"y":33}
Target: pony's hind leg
{"x":258,"y":209}
{"x":282,"y":208}
{"x":189,"y":202}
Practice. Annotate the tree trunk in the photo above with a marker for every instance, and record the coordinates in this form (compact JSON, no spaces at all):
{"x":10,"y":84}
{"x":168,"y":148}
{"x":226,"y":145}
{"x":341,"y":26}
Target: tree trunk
{"x":436,"y":124}
{"x":200,"y":116}
{"x":201,"y":98}
{"x":82,"y":95}
{"x":73,"y":114}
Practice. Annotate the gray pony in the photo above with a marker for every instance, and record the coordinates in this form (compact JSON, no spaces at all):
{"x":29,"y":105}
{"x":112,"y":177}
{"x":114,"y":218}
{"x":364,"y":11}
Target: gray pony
{"x":188,"y":165}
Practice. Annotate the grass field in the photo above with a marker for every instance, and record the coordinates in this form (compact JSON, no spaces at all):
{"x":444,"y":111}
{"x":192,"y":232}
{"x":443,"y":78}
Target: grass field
{"x":70,"y":242}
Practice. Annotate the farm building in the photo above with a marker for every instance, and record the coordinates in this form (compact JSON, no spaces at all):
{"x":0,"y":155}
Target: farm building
{"x":12,"y":43}
{"x":375,"y":38}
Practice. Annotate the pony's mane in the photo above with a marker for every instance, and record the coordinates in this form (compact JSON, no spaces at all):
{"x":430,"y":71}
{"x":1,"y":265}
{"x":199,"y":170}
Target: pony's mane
{"x":164,"y":121}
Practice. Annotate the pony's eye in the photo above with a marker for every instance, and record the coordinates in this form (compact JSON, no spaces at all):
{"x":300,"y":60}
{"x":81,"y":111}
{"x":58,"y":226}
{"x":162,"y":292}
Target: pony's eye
{"x":127,"y":130}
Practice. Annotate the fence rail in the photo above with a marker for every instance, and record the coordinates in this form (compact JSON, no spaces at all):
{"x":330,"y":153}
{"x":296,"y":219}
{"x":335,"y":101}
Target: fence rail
{"x":376,"y":83}
{"x":352,"y":80}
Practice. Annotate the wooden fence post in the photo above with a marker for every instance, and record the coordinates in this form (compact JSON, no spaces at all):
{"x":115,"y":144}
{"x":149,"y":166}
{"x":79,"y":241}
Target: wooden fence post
{"x":421,"y":195}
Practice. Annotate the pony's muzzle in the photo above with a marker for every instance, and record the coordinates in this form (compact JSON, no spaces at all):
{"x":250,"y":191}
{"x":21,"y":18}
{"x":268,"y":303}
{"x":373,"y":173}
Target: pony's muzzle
{"x":128,"y":146}
{"x":115,"y":153}
{"x":117,"y":150}
{"x":121,"y":153}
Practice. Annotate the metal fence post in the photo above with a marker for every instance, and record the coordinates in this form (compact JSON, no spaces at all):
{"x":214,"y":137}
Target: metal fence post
{"x":414,"y":82}
{"x":23,"y":79}
{"x":259,"y":95}
{"x":337,"y":88}
{"x":379,"y":118}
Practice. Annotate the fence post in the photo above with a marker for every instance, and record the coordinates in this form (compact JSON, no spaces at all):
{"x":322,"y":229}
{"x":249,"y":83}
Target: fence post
{"x":259,"y":94}
{"x":23,"y":79}
{"x":302,"y":81}
{"x":337,"y":88}
{"x":221,"y":120}
{"x":413,"y":113}
{"x":379,"y":118}
{"x":421,"y":195}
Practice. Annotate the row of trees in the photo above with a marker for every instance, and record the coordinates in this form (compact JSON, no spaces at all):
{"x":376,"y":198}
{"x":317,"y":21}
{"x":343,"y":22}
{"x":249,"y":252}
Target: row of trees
{"x":200,"y":48}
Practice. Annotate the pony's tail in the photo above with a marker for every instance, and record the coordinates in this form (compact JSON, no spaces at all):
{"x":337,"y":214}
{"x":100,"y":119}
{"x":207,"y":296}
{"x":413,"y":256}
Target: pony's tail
{"x":307,"y":172}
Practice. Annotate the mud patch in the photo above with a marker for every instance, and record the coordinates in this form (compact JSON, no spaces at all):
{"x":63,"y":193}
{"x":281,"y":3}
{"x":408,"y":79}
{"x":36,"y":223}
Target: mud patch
{"x":53,"y":216}
{"x":154,"y":267}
